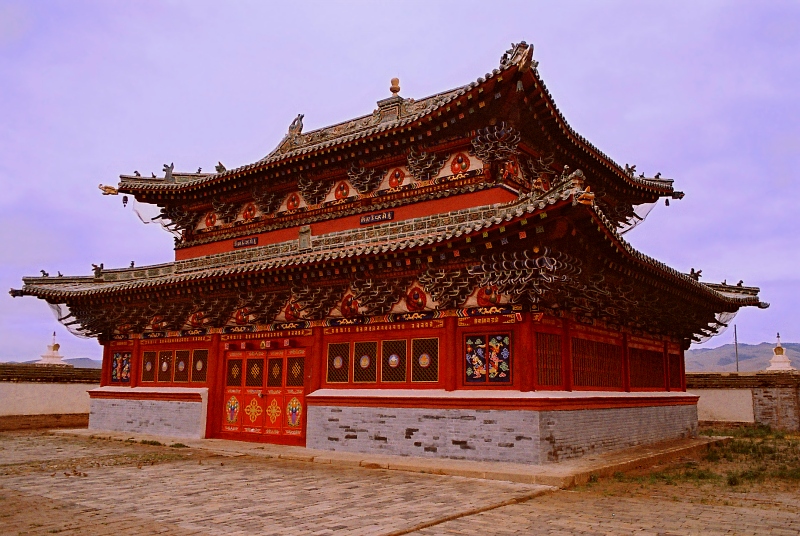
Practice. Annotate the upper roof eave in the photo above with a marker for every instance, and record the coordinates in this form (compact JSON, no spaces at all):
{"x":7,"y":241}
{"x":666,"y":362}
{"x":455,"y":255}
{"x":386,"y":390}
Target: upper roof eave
{"x":135,"y":184}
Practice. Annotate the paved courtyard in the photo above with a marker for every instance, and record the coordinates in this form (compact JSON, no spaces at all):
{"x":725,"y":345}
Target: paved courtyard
{"x":76,"y":485}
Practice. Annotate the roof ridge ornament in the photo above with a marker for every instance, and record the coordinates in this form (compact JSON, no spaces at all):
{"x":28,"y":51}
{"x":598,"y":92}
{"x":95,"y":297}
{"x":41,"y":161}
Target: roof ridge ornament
{"x":521,"y":55}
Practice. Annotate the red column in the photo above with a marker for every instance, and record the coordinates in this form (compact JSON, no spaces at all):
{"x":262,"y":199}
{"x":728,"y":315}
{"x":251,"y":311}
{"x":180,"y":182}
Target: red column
{"x":214,"y":381}
{"x":626,"y":365}
{"x":683,"y":371}
{"x":136,"y":363}
{"x":666,"y":367}
{"x":314,"y":360}
{"x":449,"y":365}
{"x":525,"y":354}
{"x":566,"y":355}
{"x":105,"y":372}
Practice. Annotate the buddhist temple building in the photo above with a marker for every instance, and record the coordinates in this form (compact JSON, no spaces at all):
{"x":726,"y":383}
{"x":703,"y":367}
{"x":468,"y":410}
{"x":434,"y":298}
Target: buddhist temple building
{"x":441,"y":277}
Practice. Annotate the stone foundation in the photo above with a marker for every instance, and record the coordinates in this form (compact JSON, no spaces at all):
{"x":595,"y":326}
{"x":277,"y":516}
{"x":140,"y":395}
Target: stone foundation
{"x":157,"y":412}
{"x":509,"y":435}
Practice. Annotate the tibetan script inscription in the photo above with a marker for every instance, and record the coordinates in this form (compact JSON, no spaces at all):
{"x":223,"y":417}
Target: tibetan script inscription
{"x":377,"y":217}
{"x":245,"y":242}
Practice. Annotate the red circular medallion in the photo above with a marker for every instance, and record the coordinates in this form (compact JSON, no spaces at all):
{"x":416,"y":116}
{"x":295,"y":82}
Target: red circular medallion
{"x":396,"y":178}
{"x":211,"y":219}
{"x":416,"y":299}
{"x":342,"y":190}
{"x":293,"y":201}
{"x":459,"y":164}
{"x":249,"y":212}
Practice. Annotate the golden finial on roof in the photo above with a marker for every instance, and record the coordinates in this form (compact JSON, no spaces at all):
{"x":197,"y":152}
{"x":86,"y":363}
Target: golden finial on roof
{"x":395,"y":88}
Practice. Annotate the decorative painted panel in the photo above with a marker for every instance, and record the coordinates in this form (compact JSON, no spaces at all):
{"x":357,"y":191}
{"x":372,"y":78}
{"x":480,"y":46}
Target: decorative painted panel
{"x":164,"y":373}
{"x":255,"y":373}
{"x":121,"y":367}
{"x":488,"y":358}
{"x":294,"y":371}
{"x":275,"y":372}
{"x":234,"y":376}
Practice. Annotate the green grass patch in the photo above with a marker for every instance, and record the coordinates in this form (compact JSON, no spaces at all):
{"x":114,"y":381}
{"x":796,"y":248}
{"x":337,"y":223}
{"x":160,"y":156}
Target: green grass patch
{"x":151,"y":442}
{"x":179,"y":446}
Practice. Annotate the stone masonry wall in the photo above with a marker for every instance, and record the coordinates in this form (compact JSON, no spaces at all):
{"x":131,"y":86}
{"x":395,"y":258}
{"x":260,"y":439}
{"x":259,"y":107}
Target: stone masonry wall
{"x":167,"y":418}
{"x":775,"y":395}
{"x":777,"y":407}
{"x":571,"y":434}
{"x":486,"y":435}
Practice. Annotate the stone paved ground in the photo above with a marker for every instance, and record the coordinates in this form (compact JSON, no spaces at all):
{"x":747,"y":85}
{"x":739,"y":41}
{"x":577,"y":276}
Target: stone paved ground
{"x":70,"y":485}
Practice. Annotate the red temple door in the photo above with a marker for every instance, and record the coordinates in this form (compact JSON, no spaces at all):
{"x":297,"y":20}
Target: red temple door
{"x":264,"y":396}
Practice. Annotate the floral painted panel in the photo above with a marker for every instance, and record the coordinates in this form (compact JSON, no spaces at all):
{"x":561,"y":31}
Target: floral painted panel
{"x":488,"y":358}
{"x":121,"y":367}
{"x":499,"y":358}
{"x":475,"y":351}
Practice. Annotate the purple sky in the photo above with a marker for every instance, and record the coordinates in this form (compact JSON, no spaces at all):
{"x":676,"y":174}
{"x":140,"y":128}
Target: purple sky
{"x":704,"y":92}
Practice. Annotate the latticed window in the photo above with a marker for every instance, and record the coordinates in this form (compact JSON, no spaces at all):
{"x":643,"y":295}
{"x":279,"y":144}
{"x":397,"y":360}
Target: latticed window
{"x":596,"y":364}
{"x":234,"y":375}
{"x":548,"y":359}
{"x":182,"y":366}
{"x":647,"y":368}
{"x":165,"y":366}
{"x":275,"y":372}
{"x":294,"y":371}
{"x":675,"y":380}
{"x":255,"y":373}
{"x":149,"y":366}
{"x":339,"y":362}
{"x":199,"y":365}
{"x":365,"y":362}
{"x":425,"y":360}
{"x":488,"y":358}
{"x":393,"y":361}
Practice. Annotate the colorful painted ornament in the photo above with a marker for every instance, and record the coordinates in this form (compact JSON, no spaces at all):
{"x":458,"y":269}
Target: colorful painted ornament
{"x":293,"y":412}
{"x":416,"y":299}
{"x":394,"y":360}
{"x":232,"y":409}
{"x":211,"y":219}
{"x":396,"y":178}
{"x":364,"y":361}
{"x":293,"y":202}
{"x":249,"y":212}
{"x":342,"y":190}
{"x":488,"y":296}
{"x":241,"y":316}
{"x":459,"y":164}
{"x":424,"y":360}
{"x":338,"y":361}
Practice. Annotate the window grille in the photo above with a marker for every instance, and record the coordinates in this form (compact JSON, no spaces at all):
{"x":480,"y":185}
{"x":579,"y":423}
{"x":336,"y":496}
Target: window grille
{"x":182,"y":366}
{"x":596,"y":364}
{"x":199,"y":365}
{"x":675,"y":380}
{"x":647,"y":368}
{"x":425,"y":360}
{"x":294,"y":371}
{"x":165,"y":366}
{"x":393,"y":361}
{"x":339,"y":362}
{"x":548,"y":359}
{"x":255,"y":373}
{"x":234,"y":376}
{"x":275,"y":372}
{"x":149,"y":366}
{"x":365,"y":362}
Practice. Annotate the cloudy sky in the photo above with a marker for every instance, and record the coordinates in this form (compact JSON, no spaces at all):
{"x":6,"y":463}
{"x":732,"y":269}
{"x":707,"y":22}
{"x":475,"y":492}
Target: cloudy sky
{"x":704,"y":92}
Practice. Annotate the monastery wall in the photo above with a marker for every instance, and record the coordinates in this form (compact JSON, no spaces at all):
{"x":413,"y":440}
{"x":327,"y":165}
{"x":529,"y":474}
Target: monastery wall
{"x":45,"y":397}
{"x":768,"y":398}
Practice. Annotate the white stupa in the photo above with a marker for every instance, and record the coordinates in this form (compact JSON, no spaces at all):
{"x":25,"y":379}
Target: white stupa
{"x":52,"y":358}
{"x":779,"y":361}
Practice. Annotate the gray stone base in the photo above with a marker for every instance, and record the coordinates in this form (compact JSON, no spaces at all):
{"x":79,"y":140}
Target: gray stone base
{"x":158,"y":417}
{"x":520,"y":436}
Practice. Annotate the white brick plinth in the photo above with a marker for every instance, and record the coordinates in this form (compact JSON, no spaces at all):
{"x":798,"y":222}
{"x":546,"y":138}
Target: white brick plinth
{"x":156,"y":411}
{"x":534,"y":436}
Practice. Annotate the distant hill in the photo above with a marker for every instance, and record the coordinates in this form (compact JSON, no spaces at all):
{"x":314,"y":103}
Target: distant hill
{"x":752,"y":357}
{"x":77,"y":362}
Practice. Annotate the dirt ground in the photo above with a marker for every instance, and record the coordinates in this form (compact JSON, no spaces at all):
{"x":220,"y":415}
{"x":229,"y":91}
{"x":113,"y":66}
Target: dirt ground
{"x":55,"y":484}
